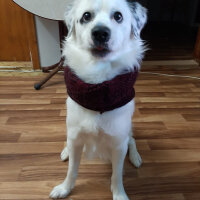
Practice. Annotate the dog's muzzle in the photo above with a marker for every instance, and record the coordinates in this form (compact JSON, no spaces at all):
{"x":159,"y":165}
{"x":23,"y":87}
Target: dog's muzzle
{"x":100,"y":35}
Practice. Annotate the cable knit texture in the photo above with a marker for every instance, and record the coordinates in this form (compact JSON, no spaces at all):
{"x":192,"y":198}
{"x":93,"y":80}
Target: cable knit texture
{"x":102,"y":97}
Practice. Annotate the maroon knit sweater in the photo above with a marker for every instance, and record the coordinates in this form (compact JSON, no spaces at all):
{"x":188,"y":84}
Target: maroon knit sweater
{"x":102,"y":97}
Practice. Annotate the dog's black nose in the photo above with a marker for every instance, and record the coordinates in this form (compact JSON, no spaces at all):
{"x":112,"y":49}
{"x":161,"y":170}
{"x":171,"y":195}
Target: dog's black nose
{"x":100,"y":34}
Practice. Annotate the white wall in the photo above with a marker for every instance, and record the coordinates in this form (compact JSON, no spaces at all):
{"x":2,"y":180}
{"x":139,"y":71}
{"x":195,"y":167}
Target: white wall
{"x":48,"y":41}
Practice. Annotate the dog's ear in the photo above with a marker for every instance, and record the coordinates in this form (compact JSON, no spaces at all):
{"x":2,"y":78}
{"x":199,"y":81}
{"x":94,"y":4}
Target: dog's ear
{"x":139,"y":17}
{"x":69,"y":18}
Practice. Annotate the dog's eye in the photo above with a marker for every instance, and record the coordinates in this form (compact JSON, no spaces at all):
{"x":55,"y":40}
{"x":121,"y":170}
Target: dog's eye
{"x":118,"y":17}
{"x":87,"y":17}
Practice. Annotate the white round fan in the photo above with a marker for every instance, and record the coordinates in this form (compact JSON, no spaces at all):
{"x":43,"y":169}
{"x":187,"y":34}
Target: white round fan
{"x":50,"y":9}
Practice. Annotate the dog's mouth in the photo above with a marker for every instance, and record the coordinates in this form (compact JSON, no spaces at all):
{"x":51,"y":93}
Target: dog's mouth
{"x":100,"y":51}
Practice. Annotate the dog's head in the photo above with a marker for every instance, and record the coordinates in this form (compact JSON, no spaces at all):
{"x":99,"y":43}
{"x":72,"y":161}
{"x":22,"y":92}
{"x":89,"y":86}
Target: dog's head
{"x":104,"y":27}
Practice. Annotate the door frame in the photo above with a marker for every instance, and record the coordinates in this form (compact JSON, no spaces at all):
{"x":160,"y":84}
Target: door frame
{"x":33,"y":41}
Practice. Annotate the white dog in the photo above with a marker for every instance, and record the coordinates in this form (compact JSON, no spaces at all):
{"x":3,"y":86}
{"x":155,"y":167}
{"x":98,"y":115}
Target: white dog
{"x":103,"y":43}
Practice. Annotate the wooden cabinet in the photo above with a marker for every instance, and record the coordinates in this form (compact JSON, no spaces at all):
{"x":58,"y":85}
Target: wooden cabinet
{"x":18,"y":41}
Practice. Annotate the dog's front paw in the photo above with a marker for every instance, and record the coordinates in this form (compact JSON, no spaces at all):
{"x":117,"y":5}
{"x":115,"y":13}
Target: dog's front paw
{"x":120,"y":196}
{"x":64,"y":154}
{"x":135,"y":159}
{"x":59,"y":192}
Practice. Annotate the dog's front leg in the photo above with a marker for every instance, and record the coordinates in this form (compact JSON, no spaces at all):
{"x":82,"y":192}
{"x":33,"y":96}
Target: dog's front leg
{"x":75,"y":151}
{"x":118,"y":156}
{"x":134,"y":156}
{"x":64,"y":154}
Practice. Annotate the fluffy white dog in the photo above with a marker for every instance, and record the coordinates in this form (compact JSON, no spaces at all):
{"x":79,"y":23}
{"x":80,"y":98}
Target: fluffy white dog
{"x":103,"y":42}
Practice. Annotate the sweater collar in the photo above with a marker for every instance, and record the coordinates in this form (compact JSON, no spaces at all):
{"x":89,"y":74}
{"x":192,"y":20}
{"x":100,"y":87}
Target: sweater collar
{"x":101,"y":97}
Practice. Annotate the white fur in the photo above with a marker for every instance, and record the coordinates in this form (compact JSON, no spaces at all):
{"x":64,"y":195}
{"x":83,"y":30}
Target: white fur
{"x":106,"y":135}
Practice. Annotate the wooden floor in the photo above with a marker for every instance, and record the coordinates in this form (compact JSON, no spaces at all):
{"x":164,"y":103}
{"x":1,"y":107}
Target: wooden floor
{"x":166,"y":126}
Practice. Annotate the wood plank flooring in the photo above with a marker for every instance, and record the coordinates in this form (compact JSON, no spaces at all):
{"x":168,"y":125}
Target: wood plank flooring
{"x":166,"y":126}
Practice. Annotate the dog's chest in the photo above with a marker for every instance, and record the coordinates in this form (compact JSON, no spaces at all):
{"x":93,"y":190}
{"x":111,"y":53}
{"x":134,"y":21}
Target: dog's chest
{"x":114,"y":123}
{"x":99,"y":132}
